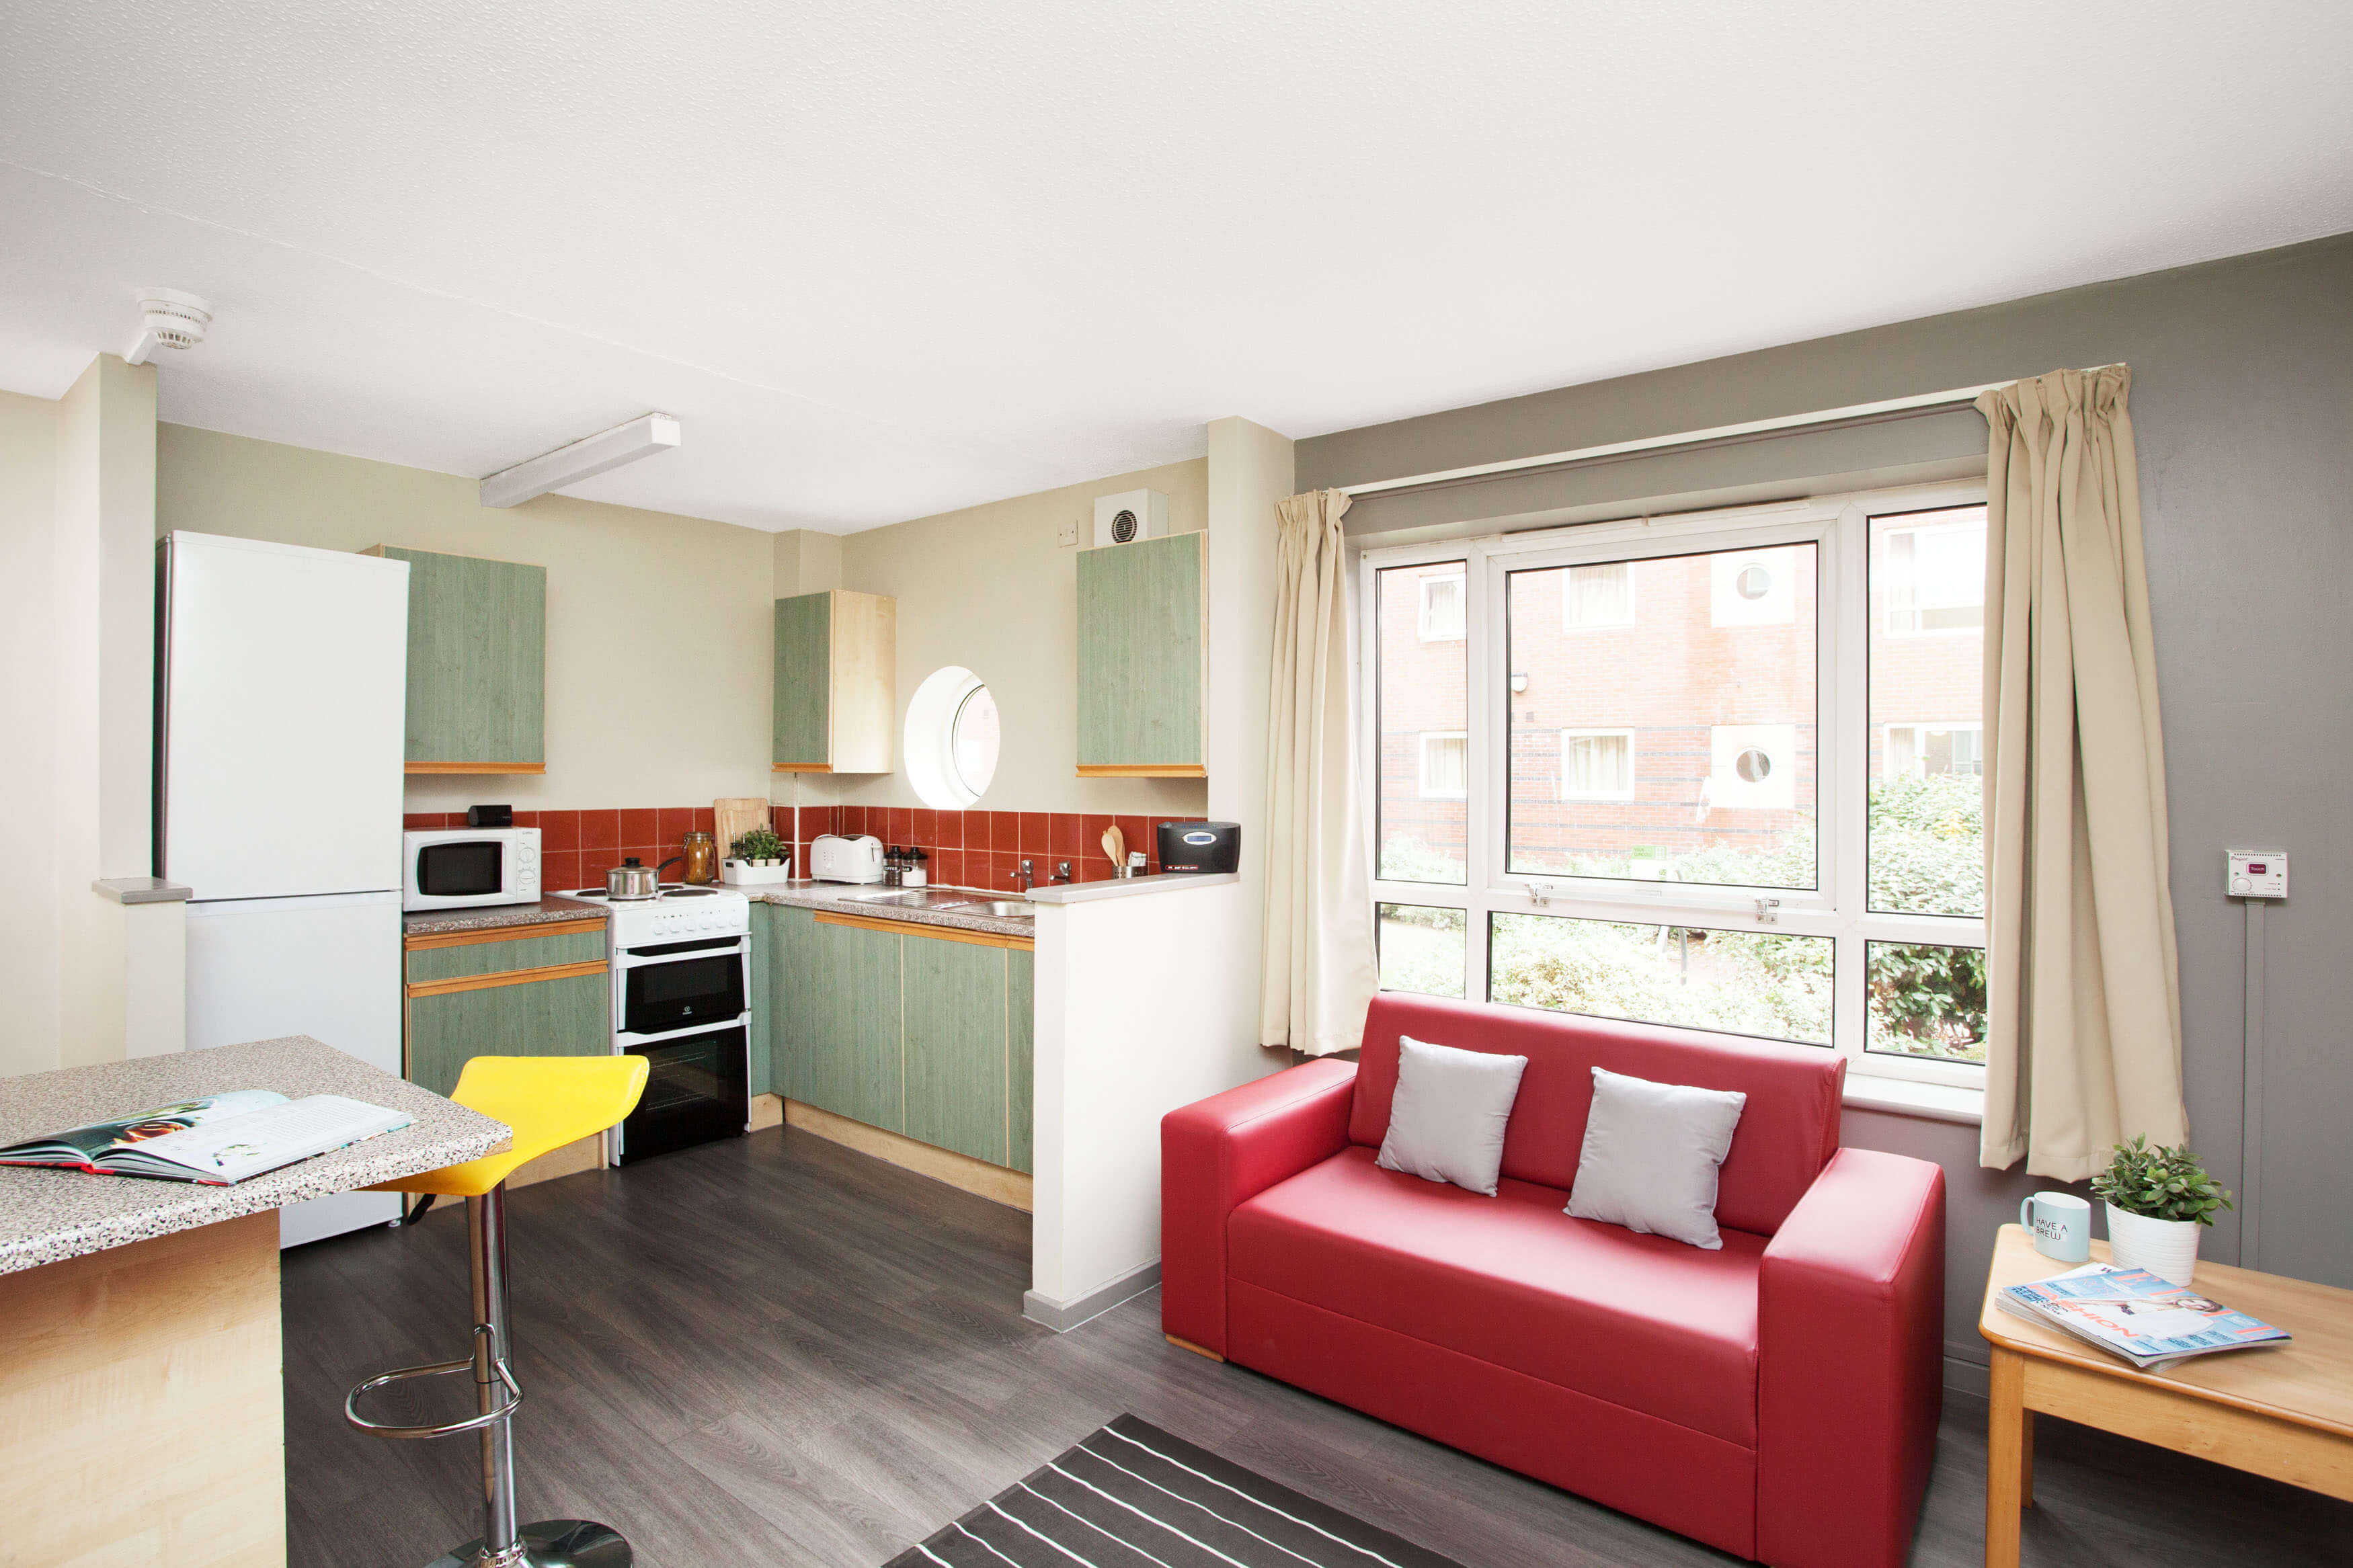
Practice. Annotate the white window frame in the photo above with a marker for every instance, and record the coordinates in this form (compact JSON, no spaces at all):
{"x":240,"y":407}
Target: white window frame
{"x":1838,"y":908}
{"x":1422,"y":738}
{"x":1568,"y":794}
{"x":1421,"y":617}
{"x":1915,"y":530}
{"x":1568,"y":623}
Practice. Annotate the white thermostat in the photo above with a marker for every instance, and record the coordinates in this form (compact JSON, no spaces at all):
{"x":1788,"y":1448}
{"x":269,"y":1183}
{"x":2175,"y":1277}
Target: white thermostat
{"x":2258,"y":874}
{"x":1129,"y":516}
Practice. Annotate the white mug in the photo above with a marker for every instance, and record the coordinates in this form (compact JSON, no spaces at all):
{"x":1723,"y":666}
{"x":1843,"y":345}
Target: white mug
{"x":2061,"y":1224}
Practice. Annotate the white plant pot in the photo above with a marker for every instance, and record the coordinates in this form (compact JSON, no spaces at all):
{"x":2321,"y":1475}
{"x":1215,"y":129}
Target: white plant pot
{"x":755,"y":874}
{"x":2165,"y":1248}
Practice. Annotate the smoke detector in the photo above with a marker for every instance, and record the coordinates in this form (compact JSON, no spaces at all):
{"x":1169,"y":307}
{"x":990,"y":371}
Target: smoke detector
{"x":168,"y":319}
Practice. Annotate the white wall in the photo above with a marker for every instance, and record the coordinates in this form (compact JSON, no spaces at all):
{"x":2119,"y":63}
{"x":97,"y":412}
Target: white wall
{"x":28,"y":708}
{"x":1113,"y":1055}
{"x":989,"y":588}
{"x":660,"y":630}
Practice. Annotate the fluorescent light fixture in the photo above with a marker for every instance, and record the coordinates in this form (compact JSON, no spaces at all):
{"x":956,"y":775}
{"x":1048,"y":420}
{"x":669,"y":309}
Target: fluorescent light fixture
{"x":599,"y":454}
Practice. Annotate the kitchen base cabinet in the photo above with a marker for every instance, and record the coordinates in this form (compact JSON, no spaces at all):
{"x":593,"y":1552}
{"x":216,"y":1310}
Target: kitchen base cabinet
{"x":839,"y":1005}
{"x":921,"y":1035}
{"x":760,"y":981}
{"x":1020,"y":1028}
{"x":955,"y":1047}
{"x":569,"y":1017}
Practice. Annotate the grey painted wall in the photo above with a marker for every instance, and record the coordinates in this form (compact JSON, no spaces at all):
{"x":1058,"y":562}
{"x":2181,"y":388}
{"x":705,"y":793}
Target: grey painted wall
{"x":2242,"y":405}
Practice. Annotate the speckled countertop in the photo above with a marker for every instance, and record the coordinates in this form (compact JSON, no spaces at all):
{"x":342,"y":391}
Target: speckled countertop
{"x":842,"y":897}
{"x":47,"y":1215}
{"x":490,"y":917}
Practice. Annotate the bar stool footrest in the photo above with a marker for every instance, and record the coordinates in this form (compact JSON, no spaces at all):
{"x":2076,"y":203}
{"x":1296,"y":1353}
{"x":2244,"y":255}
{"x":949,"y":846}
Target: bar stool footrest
{"x":437,"y":1369}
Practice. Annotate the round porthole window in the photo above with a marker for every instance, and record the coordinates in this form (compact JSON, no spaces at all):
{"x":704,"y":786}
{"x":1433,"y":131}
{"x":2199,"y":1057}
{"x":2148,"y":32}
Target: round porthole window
{"x":952,"y":739}
{"x":1754,"y":583}
{"x":1753,"y":766}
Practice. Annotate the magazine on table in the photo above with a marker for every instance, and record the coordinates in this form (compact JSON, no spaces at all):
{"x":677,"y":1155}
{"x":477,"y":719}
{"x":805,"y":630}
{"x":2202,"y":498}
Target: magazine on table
{"x":2133,"y":1313}
{"x":218,"y":1140}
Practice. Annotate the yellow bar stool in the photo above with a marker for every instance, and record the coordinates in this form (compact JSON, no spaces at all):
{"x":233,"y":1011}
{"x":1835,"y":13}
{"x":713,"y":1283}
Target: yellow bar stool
{"x":549,"y":1101}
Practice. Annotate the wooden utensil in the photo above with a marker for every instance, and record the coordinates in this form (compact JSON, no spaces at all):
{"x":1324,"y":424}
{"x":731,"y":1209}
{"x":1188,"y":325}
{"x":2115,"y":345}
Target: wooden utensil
{"x":1114,"y":845}
{"x":733,"y":818}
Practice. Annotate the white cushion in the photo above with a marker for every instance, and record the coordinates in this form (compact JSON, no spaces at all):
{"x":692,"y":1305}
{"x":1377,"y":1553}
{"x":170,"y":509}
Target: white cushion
{"x":1447,"y":1117}
{"x":1651,"y":1155}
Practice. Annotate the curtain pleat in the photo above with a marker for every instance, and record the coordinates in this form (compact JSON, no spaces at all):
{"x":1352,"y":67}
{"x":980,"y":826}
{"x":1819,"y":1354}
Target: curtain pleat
{"x":2083,"y":998}
{"x":1319,"y":967}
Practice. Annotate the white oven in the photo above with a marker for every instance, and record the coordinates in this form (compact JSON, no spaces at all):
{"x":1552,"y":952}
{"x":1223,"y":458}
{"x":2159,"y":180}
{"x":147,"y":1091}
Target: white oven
{"x":460,"y":868}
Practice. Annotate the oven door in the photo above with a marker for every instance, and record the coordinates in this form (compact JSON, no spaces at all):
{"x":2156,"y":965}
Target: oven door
{"x":696,"y":1091}
{"x":680,"y":986}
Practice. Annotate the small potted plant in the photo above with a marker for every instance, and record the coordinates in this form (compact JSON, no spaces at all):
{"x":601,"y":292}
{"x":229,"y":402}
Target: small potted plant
{"x":2159,"y":1199}
{"x":756,"y":857}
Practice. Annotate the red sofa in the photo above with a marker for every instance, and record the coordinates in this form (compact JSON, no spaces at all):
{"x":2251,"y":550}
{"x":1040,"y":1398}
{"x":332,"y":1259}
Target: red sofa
{"x":1778,"y":1399}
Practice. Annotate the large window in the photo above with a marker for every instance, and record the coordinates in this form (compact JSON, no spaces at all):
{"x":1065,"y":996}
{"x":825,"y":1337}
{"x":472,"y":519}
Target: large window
{"x":1752,"y":807}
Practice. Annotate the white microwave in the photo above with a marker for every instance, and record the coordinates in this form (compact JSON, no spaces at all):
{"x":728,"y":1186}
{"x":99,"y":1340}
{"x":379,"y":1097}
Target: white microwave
{"x":460,"y":868}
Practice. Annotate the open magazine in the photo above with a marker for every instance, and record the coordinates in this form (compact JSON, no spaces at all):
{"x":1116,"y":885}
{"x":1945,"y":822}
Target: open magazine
{"x":220,"y":1139}
{"x":2133,"y":1313}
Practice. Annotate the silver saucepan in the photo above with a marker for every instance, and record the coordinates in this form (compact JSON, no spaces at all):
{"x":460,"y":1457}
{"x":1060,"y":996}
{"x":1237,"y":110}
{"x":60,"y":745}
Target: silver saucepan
{"x":632,"y":879}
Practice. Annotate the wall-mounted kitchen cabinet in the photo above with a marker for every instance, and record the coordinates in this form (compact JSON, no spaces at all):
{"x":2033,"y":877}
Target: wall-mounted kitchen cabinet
{"x":924,"y":1031}
{"x":1143,"y":653}
{"x":477,"y":663}
{"x":516,"y":991}
{"x":837,"y":694}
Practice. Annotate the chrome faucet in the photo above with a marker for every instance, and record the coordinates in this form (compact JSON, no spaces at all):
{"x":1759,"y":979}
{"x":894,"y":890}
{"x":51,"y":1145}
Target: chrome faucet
{"x":1025,"y":877}
{"x":1062,"y":871}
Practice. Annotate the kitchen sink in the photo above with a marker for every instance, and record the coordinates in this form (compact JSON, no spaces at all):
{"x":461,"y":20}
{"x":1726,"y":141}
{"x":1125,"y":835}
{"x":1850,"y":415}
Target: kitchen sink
{"x":998,"y":908}
{"x":913,"y":898}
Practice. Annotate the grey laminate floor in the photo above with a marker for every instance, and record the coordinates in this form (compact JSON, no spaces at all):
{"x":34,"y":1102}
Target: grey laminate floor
{"x":775,"y":1351}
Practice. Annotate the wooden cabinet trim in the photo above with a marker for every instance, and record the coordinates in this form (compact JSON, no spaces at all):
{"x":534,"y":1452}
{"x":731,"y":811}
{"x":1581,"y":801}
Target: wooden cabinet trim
{"x":505,"y":977}
{"x":1142,"y":771}
{"x":504,"y":934}
{"x":473,"y":767}
{"x":995,"y":1183}
{"x":800,"y":767}
{"x":936,"y":933}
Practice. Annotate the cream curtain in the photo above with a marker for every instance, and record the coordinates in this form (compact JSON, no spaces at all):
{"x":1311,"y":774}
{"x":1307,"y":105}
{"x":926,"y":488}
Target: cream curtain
{"x":2084,"y":1003}
{"x":1319,"y":969}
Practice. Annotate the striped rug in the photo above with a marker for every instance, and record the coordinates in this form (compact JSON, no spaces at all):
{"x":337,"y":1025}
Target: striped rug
{"x":1130,"y":1496}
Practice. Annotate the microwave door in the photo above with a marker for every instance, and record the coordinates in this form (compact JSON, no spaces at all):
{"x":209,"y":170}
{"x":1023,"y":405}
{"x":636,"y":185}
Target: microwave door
{"x":466,"y":868}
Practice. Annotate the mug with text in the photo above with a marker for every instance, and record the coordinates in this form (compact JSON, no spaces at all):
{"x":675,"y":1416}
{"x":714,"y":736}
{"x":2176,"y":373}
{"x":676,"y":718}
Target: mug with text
{"x":2061,"y":1224}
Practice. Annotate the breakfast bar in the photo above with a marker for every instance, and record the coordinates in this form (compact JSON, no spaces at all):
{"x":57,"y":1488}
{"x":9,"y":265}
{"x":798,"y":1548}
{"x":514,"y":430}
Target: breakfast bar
{"x":139,"y":1319}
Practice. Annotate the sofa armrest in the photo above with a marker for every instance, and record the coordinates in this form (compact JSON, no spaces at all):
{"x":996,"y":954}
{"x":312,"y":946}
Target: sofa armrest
{"x":1217,"y":1155}
{"x":1851,"y":1330}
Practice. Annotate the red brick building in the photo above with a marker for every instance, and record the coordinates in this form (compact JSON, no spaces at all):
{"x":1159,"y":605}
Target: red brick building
{"x":1665,"y":707}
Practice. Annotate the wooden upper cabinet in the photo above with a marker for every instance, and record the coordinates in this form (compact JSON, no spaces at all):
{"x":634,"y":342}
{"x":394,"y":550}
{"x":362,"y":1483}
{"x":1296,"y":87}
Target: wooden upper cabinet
{"x":837,"y":682}
{"x":477,"y":663}
{"x":1144,"y":652}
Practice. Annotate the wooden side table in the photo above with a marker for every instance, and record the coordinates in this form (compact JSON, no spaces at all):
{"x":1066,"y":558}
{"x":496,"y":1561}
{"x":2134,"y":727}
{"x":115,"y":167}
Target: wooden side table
{"x":2286,"y":1412}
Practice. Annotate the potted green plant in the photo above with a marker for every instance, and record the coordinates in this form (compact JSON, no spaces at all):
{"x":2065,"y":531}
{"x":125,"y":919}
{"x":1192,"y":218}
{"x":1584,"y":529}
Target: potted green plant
{"x":756,"y":857}
{"x":2159,"y":1199}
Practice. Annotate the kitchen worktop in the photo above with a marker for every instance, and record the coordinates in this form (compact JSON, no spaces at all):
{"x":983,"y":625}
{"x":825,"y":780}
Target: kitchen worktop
{"x":841,"y":898}
{"x":48,"y":1215}
{"x":491,"y":916}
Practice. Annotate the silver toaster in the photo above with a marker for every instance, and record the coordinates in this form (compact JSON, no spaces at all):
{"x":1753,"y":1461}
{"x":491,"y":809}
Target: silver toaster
{"x":838,"y":858}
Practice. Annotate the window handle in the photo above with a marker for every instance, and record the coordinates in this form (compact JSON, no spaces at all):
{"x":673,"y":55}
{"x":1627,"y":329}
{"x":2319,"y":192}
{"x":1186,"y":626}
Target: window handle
{"x":1768,"y":911}
{"x":1539,"y":892}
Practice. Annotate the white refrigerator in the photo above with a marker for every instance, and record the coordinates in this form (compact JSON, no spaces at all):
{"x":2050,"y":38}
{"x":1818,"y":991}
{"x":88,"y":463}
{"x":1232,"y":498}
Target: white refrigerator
{"x":281,"y":716}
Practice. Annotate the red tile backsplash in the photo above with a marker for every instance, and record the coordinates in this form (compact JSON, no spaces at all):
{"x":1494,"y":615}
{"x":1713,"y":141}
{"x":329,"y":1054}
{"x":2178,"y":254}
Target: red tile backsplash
{"x":967,"y":849}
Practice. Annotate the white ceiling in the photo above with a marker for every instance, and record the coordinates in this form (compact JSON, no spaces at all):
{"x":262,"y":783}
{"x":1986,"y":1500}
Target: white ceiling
{"x":885,"y":260}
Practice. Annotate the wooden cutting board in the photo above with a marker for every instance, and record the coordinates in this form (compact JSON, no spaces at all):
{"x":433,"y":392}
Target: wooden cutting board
{"x":733,"y":818}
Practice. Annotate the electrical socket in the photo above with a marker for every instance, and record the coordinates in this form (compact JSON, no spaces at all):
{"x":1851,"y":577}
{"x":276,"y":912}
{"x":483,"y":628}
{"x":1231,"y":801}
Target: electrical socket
{"x":1068,"y":534}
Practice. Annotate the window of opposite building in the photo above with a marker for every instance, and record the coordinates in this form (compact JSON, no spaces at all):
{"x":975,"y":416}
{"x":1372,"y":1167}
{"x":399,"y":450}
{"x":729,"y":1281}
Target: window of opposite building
{"x":1754,"y":808}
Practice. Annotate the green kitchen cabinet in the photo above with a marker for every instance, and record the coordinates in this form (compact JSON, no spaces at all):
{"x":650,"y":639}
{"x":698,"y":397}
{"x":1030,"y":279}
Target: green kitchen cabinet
{"x":955,"y":1046}
{"x":759,"y":1000}
{"x":1144,"y":652}
{"x":567,"y":946}
{"x":836,"y":699}
{"x":477,"y":663}
{"x":569,"y":1017}
{"x":919,"y":1034}
{"x":1020,"y":1027}
{"x":843,"y":1020}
